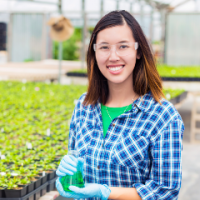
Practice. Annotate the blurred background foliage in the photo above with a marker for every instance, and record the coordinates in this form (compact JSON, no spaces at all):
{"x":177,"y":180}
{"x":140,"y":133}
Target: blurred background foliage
{"x":71,"y":47}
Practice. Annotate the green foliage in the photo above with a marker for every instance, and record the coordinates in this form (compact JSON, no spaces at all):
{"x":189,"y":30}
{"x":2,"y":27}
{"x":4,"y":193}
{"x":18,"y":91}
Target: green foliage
{"x":23,"y":181}
{"x":168,"y":71}
{"x":70,"y":47}
{"x":23,"y":171}
{"x":12,"y":183}
{"x":90,"y":29}
{"x":79,"y":71}
{"x":171,"y":93}
{"x":28,"y":60}
{"x":157,"y":42}
{"x":179,"y":71}
{"x":3,"y":182}
{"x":27,"y":111}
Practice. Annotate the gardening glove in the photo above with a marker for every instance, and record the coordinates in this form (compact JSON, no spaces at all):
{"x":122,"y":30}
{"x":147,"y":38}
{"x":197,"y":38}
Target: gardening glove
{"x":69,"y":165}
{"x":90,"y":190}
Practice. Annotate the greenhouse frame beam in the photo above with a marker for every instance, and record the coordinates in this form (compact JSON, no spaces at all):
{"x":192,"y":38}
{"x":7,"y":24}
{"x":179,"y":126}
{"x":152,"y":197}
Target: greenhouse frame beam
{"x":36,"y":1}
{"x":179,"y":4}
{"x":160,"y":6}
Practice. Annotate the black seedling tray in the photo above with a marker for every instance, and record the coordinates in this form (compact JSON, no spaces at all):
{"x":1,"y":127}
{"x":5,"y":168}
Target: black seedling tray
{"x":190,"y":79}
{"x":179,"y":98}
{"x":76,"y":74}
{"x":37,"y":193}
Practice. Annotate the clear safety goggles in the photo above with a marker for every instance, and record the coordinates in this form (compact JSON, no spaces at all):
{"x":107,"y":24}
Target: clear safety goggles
{"x":121,"y":49}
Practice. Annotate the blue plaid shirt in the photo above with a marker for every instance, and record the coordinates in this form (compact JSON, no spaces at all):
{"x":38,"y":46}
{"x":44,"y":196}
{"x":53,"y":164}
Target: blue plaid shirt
{"x":142,"y":147}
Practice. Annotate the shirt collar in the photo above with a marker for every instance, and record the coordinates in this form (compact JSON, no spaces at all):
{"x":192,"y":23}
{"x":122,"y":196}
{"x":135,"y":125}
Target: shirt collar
{"x":143,"y":103}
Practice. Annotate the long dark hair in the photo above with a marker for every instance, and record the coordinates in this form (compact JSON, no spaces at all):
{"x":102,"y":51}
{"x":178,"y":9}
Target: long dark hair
{"x":145,"y":74}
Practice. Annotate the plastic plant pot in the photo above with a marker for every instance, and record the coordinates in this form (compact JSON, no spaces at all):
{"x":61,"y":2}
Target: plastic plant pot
{"x":37,"y":182}
{"x":2,"y":192}
{"x":50,"y":174}
{"x":15,"y":193}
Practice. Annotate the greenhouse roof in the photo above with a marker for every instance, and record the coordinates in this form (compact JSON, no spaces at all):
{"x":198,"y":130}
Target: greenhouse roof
{"x":94,"y":5}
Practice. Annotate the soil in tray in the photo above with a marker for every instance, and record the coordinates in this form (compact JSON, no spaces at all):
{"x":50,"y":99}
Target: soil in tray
{"x":15,"y":193}
{"x":30,"y":187}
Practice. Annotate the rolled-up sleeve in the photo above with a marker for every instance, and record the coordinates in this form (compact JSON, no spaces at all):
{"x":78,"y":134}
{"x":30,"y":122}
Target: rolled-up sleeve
{"x":164,"y":181}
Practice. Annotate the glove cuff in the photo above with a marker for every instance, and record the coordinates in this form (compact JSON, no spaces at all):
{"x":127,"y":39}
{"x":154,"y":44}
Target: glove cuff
{"x":105,"y":192}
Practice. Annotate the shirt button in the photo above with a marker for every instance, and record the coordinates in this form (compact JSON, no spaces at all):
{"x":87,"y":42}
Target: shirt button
{"x":98,"y":167}
{"x":113,"y":124}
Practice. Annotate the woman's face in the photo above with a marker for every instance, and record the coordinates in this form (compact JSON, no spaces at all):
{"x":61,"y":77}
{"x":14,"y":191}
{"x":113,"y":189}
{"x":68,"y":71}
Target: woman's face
{"x":116,"y":68}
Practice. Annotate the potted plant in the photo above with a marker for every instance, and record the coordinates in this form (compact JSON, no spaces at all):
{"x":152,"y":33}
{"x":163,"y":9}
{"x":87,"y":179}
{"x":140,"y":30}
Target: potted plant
{"x":26,"y":182}
{"x":3,"y":185}
{"x":23,"y":171}
{"x":50,"y":170}
{"x":13,"y":190}
{"x":33,"y":176}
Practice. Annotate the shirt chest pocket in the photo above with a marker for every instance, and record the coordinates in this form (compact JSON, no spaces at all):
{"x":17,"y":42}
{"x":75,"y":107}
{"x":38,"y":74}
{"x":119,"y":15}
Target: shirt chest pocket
{"x":86,"y":136}
{"x":83,"y":138}
{"x":131,"y":152}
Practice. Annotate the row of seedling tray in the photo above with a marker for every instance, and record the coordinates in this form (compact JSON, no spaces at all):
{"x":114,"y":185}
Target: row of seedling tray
{"x":33,"y":191}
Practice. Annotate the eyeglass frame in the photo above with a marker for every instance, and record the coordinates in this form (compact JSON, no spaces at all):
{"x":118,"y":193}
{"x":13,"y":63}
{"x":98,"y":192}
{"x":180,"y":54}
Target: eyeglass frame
{"x":136,"y":47}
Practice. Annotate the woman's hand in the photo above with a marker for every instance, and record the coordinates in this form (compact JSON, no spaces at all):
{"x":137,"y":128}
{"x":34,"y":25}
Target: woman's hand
{"x":68,"y":165}
{"x":90,"y":190}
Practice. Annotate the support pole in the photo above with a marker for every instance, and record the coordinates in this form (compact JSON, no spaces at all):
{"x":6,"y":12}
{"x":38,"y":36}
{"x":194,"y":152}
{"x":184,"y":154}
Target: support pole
{"x":152,"y":25}
{"x":117,"y":5}
{"x":60,"y":46}
{"x":102,"y":8}
{"x":131,"y":8}
{"x":83,"y":35}
{"x":142,"y":14}
{"x":163,"y":24}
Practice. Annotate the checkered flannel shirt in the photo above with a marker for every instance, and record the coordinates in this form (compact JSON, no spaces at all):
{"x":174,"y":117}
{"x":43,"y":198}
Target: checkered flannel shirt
{"x":142,"y":147}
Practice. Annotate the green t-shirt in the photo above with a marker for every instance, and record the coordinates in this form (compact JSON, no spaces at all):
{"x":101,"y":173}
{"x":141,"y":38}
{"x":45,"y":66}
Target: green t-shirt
{"x":114,"y":112}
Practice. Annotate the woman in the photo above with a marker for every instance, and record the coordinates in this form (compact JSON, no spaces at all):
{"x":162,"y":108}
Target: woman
{"x":128,"y":136}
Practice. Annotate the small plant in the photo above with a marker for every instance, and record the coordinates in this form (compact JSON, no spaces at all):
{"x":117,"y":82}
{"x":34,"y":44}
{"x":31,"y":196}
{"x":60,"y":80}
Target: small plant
{"x":23,"y":181}
{"x":12,"y":184}
{"x":23,"y":171}
{"x":3,"y":182}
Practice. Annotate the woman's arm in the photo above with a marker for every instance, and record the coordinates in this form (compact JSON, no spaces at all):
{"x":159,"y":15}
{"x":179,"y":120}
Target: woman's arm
{"x":164,"y":181}
{"x":120,"y":193}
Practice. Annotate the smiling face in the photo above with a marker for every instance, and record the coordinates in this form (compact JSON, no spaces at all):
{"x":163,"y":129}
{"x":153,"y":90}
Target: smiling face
{"x":117,"y":69}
